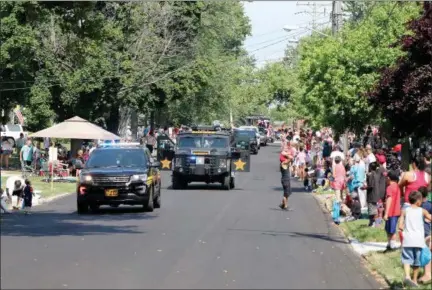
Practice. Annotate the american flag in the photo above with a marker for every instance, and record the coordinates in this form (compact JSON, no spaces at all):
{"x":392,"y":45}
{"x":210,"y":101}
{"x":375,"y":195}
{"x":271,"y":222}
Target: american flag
{"x":19,"y":115}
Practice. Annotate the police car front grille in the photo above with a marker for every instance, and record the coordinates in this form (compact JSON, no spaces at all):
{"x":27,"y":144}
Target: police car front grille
{"x":110,"y":179}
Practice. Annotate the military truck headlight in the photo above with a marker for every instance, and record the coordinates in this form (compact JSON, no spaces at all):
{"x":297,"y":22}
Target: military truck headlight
{"x":222,"y":163}
{"x":137,"y":177}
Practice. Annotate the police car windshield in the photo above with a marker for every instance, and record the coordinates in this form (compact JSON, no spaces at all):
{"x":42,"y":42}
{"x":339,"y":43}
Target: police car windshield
{"x":117,"y":158}
{"x":203,"y":142}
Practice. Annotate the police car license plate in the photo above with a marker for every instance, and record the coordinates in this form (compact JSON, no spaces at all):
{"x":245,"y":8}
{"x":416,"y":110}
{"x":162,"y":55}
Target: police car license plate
{"x":200,"y":160}
{"x":111,"y":192}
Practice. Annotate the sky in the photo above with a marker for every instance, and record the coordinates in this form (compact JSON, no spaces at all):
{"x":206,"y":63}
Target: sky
{"x":269,"y":40}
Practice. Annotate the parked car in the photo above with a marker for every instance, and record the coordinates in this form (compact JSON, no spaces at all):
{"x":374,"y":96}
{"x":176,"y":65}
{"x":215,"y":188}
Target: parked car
{"x":11,"y":132}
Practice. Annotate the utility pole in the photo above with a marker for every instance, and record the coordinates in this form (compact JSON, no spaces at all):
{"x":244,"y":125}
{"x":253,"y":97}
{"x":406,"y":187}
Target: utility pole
{"x":315,"y":12}
{"x":336,"y":19}
{"x":336,"y":16}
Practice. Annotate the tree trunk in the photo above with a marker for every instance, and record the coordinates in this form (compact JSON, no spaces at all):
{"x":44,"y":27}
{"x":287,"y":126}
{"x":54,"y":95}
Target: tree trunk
{"x":112,"y":121}
{"x":124,"y":121}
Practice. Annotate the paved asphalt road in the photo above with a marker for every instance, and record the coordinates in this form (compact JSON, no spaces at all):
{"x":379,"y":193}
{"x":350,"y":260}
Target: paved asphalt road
{"x":201,"y":238}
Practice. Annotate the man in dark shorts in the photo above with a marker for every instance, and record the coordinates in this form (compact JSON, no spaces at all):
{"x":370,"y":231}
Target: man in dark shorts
{"x":285,"y":158}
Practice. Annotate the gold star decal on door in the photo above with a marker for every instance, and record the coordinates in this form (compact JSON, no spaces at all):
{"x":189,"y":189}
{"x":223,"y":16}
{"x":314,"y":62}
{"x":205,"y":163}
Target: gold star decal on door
{"x":239,"y":164}
{"x":166,"y":163}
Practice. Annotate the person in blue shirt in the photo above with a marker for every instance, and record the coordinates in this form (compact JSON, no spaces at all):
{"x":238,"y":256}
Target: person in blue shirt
{"x":26,"y":154}
{"x":427,"y":205}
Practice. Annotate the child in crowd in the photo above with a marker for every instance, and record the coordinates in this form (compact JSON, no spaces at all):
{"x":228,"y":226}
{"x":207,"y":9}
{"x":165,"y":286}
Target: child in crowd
{"x":393,"y":208}
{"x":426,"y":205}
{"x":28,"y":196}
{"x":411,"y":223}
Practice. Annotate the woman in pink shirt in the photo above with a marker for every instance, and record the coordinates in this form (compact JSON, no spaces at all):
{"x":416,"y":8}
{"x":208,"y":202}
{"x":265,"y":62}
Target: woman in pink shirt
{"x":339,"y":177}
{"x":414,"y":179}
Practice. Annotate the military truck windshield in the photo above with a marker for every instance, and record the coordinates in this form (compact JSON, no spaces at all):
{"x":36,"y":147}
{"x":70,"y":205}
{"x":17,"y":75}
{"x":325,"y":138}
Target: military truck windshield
{"x":118,"y":157}
{"x":244,"y":133}
{"x":202,"y":142}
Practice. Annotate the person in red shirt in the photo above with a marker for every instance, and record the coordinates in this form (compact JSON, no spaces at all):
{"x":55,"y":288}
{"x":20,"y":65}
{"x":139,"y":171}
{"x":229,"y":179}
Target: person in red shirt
{"x":393,"y":208}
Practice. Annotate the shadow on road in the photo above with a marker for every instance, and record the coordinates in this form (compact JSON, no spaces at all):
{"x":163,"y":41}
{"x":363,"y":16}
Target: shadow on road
{"x":295,"y":235}
{"x":294,"y":189}
{"x":217,"y":187}
{"x":50,"y":223}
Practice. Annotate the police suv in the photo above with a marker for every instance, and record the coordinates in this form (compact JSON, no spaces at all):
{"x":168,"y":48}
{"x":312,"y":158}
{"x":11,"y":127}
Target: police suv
{"x":119,"y":173}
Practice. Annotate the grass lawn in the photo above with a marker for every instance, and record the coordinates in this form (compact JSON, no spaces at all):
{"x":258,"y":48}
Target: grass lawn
{"x":45,"y":187}
{"x":359,"y":230}
{"x":390,"y":267}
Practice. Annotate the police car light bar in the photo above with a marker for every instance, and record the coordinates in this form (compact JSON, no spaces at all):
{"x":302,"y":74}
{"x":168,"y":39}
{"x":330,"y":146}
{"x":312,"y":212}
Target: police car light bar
{"x":109,"y":143}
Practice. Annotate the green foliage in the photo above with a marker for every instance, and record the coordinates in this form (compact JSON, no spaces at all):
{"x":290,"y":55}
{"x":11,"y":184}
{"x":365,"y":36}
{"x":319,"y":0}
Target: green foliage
{"x":91,"y":58}
{"x":335,"y":72}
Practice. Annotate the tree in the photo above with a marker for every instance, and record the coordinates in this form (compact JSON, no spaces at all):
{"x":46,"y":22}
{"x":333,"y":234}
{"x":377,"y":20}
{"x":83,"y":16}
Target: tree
{"x":404,"y":92}
{"x":94,"y":58}
{"x":335,"y":72}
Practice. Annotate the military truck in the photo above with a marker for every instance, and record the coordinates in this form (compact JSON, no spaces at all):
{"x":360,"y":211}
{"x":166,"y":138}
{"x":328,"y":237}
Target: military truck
{"x":202,"y":155}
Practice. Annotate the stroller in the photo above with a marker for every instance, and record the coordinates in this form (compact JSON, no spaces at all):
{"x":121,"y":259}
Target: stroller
{"x":28,"y":170}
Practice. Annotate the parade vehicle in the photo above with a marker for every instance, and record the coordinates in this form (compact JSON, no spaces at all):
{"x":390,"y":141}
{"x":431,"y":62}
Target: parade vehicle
{"x":264,"y":139}
{"x":203,"y":155}
{"x":119,"y":173}
{"x":245,"y":139}
{"x":256,"y":132}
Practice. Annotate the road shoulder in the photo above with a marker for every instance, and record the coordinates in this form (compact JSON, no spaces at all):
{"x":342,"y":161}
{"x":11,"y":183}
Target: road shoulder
{"x":337,"y":230}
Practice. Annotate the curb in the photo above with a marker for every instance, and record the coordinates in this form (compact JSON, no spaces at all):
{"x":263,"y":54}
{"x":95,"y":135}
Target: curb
{"x":53,"y":198}
{"x":378,"y":277}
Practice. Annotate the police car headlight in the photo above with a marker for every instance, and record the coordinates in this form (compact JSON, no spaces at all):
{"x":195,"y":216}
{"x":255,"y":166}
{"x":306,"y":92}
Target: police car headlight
{"x":223,"y":163}
{"x":142,"y":177}
{"x":86,"y":178}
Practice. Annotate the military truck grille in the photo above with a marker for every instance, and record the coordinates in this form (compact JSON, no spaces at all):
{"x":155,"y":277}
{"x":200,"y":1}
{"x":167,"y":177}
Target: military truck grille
{"x":212,"y":161}
{"x":110,"y":179}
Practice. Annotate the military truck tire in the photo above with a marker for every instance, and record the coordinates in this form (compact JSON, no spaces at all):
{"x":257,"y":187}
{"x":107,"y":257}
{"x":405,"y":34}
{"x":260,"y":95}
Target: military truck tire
{"x":227,"y":182}
{"x":232,"y":183}
{"x":175,"y":182}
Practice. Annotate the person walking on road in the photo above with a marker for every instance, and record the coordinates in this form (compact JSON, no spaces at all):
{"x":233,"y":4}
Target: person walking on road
{"x":150,"y":141}
{"x":285,"y":158}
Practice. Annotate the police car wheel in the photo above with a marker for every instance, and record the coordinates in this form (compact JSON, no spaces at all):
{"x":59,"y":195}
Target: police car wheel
{"x":227,"y":182}
{"x":157,"y":200}
{"x":149,"y":204}
{"x":82,"y":207}
{"x":94,"y":207}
